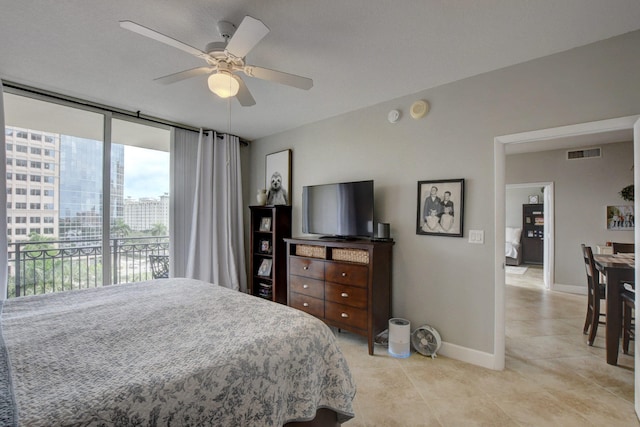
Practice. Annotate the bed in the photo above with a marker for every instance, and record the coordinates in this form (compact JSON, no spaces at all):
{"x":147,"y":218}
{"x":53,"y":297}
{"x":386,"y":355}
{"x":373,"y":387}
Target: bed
{"x":513,"y":246}
{"x":167,"y":352}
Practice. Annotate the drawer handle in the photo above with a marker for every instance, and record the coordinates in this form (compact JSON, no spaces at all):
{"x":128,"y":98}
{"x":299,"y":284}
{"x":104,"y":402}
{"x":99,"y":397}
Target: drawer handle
{"x":344,"y":315}
{"x":344,"y":274}
{"x":305,"y":304}
{"x":305,"y":286}
{"x":344,"y":295}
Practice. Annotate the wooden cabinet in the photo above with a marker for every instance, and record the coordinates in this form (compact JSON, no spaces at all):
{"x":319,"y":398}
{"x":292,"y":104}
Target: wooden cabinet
{"x":532,"y":234}
{"x":345,"y":283}
{"x":270,"y":225}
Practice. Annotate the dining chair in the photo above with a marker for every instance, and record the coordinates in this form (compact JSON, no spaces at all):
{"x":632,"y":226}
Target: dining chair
{"x":595,"y":293}
{"x":628,"y":296}
{"x":159,"y":266}
{"x":623,"y":248}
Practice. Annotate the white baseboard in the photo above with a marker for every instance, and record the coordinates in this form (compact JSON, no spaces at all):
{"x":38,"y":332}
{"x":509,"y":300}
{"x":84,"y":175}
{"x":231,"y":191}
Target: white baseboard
{"x":464,"y":354}
{"x":570,"y":289}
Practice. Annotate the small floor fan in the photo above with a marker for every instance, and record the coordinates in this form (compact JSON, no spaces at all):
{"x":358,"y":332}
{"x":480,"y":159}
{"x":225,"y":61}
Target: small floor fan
{"x":426,"y":340}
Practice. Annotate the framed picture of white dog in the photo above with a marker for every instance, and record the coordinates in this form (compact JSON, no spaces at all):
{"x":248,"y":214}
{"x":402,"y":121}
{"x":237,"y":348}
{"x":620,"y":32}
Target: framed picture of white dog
{"x":440,"y":207}
{"x":278,"y":178}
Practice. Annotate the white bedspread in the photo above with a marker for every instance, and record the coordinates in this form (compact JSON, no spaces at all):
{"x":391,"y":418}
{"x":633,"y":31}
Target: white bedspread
{"x":511,"y":250}
{"x":167,"y":352}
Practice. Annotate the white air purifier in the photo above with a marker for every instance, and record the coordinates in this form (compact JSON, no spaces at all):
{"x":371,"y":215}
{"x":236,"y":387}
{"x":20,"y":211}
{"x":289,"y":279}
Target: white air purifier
{"x":399,"y":338}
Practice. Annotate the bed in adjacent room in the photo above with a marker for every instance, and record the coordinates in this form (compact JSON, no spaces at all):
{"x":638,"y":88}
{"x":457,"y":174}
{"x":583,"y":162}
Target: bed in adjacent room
{"x":513,"y":246}
{"x":167,"y":352}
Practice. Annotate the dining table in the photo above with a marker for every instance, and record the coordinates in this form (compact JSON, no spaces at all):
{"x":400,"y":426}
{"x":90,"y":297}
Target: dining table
{"x":617,"y":269}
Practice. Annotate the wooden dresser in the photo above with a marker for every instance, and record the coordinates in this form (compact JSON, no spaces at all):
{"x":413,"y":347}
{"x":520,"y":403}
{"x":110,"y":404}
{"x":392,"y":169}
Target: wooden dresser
{"x":345,"y":283}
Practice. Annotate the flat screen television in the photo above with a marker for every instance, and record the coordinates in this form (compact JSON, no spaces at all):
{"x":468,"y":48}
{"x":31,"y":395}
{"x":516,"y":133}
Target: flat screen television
{"x":340,"y":210}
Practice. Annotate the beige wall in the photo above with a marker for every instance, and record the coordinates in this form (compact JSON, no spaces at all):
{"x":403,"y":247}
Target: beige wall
{"x":583,"y":189}
{"x":444,"y":281}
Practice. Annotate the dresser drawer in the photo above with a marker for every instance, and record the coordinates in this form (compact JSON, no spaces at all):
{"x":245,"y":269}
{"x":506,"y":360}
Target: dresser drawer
{"x":306,"y":267}
{"x":348,"y":295}
{"x":306,"y":303}
{"x":304,"y":285}
{"x":348,"y":274}
{"x":346,"y":315}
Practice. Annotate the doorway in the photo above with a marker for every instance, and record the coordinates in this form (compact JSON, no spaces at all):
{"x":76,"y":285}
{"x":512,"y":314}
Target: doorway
{"x":555,"y":138}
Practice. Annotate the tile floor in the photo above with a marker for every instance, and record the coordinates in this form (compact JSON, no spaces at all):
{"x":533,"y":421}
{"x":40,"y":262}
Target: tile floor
{"x":552,"y":377}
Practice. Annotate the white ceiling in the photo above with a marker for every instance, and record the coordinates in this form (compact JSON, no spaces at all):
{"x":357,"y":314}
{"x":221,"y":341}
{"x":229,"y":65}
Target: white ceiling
{"x":358,"y":52}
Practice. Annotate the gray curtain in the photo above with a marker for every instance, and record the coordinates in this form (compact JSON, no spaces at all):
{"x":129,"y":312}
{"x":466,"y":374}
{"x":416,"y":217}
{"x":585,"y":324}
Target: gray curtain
{"x":207,"y":215}
{"x":3,"y":203}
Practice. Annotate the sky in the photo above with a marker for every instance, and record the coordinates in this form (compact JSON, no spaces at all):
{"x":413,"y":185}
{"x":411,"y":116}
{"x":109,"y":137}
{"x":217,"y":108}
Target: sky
{"x":146,"y":172}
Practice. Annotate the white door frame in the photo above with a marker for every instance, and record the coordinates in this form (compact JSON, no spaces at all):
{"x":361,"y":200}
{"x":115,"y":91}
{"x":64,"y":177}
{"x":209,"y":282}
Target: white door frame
{"x":499,"y":157}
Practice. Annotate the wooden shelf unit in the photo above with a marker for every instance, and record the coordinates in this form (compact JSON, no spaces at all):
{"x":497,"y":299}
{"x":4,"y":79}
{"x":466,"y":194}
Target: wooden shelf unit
{"x":532,"y":233}
{"x":347,"y":284}
{"x":268,"y":246}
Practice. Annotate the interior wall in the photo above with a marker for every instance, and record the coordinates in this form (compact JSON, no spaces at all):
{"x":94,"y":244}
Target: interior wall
{"x":514,"y":199}
{"x":583,"y":190}
{"x":448,"y":282}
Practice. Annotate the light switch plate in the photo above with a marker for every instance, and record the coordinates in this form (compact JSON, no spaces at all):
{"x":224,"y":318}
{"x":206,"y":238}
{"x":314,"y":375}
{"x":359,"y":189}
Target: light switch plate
{"x":476,"y":236}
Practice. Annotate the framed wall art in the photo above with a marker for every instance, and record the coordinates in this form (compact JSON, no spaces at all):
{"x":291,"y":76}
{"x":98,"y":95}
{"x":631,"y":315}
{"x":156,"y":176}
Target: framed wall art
{"x":278,"y":178}
{"x":620,"y":218}
{"x":440,"y":207}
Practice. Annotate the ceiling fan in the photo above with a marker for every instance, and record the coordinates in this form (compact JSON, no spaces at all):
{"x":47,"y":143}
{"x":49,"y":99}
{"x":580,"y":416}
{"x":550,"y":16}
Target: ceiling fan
{"x":225,"y":59}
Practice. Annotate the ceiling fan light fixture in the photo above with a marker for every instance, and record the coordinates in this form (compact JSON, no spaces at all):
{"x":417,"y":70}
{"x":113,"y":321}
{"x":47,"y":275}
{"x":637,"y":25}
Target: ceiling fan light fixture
{"x":223,"y":84}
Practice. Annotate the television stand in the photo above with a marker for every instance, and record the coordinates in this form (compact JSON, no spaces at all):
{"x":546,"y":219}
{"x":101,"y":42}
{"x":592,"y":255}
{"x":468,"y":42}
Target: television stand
{"x":347,"y":284}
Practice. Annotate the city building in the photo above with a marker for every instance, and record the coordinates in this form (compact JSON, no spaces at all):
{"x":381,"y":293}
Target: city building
{"x":142,"y":214}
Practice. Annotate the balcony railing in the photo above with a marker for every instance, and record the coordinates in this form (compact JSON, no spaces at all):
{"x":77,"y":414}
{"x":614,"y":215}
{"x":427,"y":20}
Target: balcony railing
{"x":55,"y":266}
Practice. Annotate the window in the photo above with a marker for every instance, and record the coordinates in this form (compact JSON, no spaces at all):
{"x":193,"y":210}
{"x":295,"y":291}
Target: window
{"x":9,"y":190}
{"x":8,"y":220}
{"x":9,"y":176}
{"x":9,"y":162}
{"x":9,"y":147}
{"x":21,"y":220}
{"x":8,"y":131}
{"x":64,"y":158}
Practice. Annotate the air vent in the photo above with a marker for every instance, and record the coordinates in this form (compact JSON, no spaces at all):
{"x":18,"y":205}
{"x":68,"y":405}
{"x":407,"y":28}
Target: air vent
{"x":583,"y":154}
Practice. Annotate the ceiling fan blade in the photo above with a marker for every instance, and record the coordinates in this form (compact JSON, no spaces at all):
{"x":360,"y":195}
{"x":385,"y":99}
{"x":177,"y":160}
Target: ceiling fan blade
{"x":243,"y":96}
{"x":278,"y":77}
{"x":148,"y":32}
{"x":182,"y":75}
{"x":248,"y":34}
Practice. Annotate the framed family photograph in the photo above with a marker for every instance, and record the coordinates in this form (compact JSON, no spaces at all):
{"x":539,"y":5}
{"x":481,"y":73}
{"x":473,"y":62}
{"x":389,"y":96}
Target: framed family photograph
{"x":440,"y":207}
{"x":265,"y":246}
{"x":278,"y":178}
{"x":620,"y":218}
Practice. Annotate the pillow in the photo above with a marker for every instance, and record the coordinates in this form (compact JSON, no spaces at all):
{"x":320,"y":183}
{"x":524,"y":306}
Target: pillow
{"x":512,"y":235}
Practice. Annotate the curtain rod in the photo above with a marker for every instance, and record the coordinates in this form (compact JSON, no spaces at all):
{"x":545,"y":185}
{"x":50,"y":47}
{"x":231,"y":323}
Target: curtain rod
{"x":89,"y":104}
